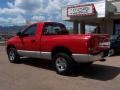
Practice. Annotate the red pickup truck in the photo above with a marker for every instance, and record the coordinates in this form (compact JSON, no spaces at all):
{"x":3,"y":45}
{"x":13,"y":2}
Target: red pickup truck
{"x":51,"y":40}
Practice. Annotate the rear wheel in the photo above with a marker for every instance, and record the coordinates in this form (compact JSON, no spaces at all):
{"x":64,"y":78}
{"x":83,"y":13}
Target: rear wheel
{"x":63,"y":63}
{"x":13,"y":55}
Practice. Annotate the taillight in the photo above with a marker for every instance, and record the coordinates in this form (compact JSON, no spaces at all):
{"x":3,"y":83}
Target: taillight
{"x":93,"y":45}
{"x":105,"y":43}
{"x":98,"y":43}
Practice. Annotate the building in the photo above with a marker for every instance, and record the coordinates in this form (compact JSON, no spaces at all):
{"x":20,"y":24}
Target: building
{"x":103,"y":14}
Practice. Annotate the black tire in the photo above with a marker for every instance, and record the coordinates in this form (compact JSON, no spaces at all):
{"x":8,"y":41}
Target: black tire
{"x":63,"y":61}
{"x":13,"y":55}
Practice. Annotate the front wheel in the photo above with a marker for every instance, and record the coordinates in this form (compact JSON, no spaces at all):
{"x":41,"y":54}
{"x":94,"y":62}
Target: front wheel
{"x":13,"y":55}
{"x":63,"y":63}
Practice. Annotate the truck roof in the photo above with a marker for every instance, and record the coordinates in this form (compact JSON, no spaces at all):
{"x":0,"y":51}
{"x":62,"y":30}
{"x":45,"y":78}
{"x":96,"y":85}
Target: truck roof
{"x":45,"y":22}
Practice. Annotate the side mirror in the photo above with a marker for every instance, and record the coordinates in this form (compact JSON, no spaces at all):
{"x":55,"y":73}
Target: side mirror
{"x":19,"y":34}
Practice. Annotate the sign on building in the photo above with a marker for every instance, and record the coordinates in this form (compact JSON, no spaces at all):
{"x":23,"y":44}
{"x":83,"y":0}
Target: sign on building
{"x":81,"y":10}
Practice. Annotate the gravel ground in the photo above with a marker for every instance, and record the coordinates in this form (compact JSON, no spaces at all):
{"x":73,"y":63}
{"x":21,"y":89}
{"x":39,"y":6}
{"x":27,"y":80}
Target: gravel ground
{"x":34,"y":74}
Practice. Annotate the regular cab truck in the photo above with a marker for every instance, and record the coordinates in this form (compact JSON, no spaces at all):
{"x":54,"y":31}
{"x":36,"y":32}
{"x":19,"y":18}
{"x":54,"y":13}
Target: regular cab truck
{"x":51,"y":41}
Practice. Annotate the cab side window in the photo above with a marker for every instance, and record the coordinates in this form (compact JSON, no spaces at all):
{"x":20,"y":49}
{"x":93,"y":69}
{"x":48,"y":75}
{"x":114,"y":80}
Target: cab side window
{"x":30,"y":31}
{"x":54,"y":29}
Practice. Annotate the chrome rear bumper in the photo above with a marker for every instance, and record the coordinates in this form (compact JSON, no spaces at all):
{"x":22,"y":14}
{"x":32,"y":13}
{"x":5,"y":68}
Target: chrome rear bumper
{"x":87,"y":57}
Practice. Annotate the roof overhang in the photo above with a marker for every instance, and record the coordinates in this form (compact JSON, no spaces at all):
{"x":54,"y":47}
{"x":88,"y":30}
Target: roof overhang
{"x":89,"y":10}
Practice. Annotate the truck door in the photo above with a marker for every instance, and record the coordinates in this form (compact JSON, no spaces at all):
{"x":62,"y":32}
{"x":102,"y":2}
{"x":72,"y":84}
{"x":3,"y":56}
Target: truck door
{"x":31,"y":42}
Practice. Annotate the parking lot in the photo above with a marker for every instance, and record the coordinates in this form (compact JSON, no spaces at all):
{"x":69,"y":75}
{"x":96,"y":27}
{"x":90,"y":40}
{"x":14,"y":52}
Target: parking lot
{"x":34,"y":74}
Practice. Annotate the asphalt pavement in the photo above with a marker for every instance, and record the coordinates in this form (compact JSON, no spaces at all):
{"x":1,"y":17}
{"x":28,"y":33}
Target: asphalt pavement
{"x":37,"y":74}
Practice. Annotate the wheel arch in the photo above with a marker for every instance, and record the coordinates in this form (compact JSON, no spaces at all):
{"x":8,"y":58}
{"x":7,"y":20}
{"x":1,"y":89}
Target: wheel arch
{"x":9,"y":46}
{"x":59,"y":49}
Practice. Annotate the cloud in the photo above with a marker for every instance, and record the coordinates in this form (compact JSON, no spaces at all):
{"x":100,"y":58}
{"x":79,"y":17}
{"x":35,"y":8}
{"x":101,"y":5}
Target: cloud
{"x":19,"y":20}
{"x":9,"y":4}
{"x":38,"y":18}
{"x":30,"y":5}
{"x":44,"y":7}
{"x":35,"y":10}
{"x":11,"y":11}
{"x":73,"y":2}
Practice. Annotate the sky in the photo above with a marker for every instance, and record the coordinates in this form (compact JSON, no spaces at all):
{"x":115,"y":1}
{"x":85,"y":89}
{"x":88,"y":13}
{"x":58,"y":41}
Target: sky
{"x":17,"y":12}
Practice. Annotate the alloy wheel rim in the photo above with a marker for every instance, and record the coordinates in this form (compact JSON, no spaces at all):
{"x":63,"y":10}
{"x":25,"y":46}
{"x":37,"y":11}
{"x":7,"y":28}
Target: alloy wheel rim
{"x":12,"y":55}
{"x":61,"y":64}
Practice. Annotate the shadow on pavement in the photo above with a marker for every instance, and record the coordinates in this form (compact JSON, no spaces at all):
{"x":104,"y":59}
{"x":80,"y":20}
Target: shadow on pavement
{"x":45,"y":64}
{"x":96,"y":71}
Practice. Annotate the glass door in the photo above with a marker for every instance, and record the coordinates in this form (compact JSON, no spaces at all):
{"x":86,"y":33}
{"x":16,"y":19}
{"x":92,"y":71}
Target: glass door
{"x":116,"y":27}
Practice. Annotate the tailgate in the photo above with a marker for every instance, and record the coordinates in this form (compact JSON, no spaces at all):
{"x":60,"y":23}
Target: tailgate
{"x":104,"y":42}
{"x":100,"y":43}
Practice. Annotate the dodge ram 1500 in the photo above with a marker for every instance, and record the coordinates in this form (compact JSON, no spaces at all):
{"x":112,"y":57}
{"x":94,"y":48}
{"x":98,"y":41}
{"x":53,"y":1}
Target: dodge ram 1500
{"x":51,"y":40}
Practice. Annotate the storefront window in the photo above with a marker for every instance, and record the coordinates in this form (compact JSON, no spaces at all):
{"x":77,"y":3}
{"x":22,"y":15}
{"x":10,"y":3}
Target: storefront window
{"x":92,"y":29}
{"x":117,"y":27}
